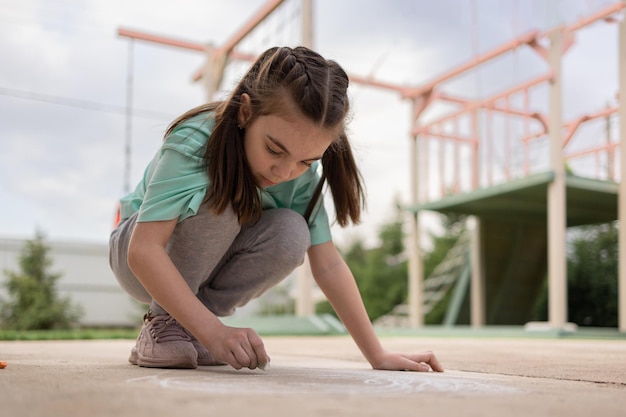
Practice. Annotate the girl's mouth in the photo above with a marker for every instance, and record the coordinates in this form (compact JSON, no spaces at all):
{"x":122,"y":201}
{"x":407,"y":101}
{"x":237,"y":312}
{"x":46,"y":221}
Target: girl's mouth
{"x":267,"y":182}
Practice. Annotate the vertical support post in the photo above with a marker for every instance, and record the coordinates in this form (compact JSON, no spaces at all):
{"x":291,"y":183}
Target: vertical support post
{"x":416,"y":267}
{"x":129,"y":115}
{"x":610,"y":175}
{"x":307,"y":23}
{"x":557,"y":263}
{"x":621,"y":214}
{"x":474,"y":225}
{"x":305,"y":305}
{"x":476,"y":150}
{"x":477,"y":288}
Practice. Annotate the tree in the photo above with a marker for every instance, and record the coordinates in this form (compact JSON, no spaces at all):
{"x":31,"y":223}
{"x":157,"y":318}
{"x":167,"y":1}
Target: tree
{"x":380,"y":273}
{"x":33,"y":300}
{"x":383,"y":275}
{"x":591,"y":277}
{"x":453,"y":226}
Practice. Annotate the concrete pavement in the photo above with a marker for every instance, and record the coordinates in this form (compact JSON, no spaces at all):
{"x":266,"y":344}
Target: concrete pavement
{"x":322,"y":376}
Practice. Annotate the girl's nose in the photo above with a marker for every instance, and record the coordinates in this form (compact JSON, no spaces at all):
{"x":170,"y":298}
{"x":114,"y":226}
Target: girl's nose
{"x":282,"y":171}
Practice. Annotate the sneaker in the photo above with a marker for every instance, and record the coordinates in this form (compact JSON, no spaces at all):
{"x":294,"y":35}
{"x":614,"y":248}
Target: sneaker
{"x":163,"y":343}
{"x":205,"y":358}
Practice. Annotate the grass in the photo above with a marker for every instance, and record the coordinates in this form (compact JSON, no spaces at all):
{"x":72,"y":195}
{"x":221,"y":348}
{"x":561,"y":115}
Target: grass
{"x":70,"y":334}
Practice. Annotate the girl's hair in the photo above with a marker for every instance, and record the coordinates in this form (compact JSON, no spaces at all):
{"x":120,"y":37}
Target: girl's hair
{"x":281,"y":78}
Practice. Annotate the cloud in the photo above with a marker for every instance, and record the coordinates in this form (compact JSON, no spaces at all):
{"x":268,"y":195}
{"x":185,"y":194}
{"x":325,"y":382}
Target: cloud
{"x":62,"y":163}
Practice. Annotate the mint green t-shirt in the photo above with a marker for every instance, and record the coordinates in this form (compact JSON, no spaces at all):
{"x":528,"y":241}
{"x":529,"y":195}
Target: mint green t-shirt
{"x":175,"y":182}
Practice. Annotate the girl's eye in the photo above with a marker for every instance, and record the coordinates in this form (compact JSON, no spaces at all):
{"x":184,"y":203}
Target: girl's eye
{"x":308,"y":164}
{"x":271,"y":151}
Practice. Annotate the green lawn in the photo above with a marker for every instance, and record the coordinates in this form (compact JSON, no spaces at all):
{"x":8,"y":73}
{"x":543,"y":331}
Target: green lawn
{"x":74,"y":334}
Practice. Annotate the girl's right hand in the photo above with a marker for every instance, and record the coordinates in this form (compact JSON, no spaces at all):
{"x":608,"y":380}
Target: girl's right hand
{"x":238,"y":347}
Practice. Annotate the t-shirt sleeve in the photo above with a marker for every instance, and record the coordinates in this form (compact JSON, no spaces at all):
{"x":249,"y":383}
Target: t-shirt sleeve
{"x":178,"y":182}
{"x":174,"y":191}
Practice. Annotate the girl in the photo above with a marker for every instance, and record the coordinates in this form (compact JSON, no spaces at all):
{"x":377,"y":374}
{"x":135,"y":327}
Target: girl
{"x":229,"y":206}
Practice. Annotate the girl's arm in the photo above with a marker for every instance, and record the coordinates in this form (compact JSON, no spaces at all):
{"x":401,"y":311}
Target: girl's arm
{"x":337,"y":282}
{"x":152,"y":266}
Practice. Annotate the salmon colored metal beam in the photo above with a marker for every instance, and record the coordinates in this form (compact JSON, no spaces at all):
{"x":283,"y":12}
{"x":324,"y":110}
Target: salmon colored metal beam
{"x":269,"y":7}
{"x":611,"y":147}
{"x":453,"y":99}
{"x":574,"y":125}
{"x":487,"y":102}
{"x":235,"y":55}
{"x":509,"y":46}
{"x":530,"y":38}
{"x":456,"y":138}
{"x":142,"y":36}
{"x":534,"y":136}
{"x":514,"y":112}
{"x":194,"y":46}
{"x":602,"y":14}
{"x":375,"y":83}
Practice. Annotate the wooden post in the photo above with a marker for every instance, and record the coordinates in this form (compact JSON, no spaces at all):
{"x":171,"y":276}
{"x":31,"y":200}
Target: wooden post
{"x":557,"y":262}
{"x":416,"y":267}
{"x":477,"y":286}
{"x":305,"y":305}
{"x":621,"y":215}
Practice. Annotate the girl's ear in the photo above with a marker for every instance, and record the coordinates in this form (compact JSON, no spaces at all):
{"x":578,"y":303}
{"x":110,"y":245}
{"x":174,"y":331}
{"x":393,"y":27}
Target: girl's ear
{"x":245,"y":110}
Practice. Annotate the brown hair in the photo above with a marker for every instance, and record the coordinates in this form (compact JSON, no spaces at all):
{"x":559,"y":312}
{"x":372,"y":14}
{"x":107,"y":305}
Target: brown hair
{"x":282,"y":76}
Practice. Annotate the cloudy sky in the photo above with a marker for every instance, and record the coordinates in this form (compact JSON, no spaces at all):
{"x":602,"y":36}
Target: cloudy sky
{"x":64,"y":74}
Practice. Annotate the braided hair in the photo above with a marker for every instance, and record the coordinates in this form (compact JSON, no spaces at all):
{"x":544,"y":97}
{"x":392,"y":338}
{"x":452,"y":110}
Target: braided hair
{"x":279,"y":79}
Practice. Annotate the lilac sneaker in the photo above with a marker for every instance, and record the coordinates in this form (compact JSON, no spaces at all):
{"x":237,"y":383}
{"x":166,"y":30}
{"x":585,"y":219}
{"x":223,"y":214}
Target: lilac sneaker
{"x":164,"y":343}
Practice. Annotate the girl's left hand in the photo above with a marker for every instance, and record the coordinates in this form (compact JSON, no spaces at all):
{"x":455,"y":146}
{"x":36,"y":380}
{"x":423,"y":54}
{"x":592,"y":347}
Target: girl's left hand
{"x":420,"y":362}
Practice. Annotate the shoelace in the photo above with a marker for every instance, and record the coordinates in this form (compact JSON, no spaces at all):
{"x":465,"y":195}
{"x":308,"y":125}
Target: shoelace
{"x":166,"y":329}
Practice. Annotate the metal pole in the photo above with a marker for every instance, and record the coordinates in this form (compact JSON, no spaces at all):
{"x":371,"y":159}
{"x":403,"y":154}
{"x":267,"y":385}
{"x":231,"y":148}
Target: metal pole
{"x":307,"y":23}
{"x":129,"y":117}
{"x":477,"y":286}
{"x":622,"y":183}
{"x":416,"y":267}
{"x":305,"y":305}
{"x":557,"y":263}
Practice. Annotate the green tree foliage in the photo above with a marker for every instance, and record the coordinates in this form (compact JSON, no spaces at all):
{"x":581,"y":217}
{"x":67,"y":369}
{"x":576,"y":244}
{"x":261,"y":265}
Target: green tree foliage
{"x":33,"y":302}
{"x":382,"y":272}
{"x":453,"y":226}
{"x":592,"y":277}
{"x":592,"y":263}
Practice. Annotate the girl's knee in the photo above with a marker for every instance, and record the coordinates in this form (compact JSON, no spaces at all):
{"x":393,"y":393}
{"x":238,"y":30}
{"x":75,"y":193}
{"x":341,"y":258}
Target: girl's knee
{"x":288,"y":224}
{"x":291,"y":234}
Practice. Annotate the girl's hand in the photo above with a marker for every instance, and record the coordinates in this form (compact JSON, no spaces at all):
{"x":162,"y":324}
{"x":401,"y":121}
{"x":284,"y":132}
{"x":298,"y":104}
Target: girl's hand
{"x":240,"y":348}
{"x":420,"y":362}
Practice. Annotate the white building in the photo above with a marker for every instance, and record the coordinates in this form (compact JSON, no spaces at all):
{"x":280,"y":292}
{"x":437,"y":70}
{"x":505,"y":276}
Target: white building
{"x":86,"y":279}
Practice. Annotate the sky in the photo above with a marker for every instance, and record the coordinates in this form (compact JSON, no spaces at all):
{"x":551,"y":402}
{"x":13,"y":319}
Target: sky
{"x":63,"y":88}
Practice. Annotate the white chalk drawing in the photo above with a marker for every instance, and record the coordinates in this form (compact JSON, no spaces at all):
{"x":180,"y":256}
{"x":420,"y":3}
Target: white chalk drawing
{"x":356,"y":382}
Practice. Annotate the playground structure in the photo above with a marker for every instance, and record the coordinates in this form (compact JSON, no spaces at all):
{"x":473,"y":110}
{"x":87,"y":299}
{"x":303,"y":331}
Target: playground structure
{"x":520,"y":222}
{"x":519,"y":215}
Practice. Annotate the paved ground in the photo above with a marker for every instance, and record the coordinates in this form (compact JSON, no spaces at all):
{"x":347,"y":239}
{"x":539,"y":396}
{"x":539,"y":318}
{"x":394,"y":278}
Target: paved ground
{"x":322,"y":376}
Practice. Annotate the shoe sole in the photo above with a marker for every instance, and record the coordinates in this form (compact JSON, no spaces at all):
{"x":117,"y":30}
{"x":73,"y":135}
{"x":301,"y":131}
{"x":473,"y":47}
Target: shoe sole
{"x":145,"y":362}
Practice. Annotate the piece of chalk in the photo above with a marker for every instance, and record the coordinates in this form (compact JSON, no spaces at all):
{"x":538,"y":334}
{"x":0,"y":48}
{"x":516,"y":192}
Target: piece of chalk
{"x":264,"y":366}
{"x":3,"y":364}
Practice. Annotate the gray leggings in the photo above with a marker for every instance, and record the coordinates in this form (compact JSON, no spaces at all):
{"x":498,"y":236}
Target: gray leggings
{"x":224,"y":264}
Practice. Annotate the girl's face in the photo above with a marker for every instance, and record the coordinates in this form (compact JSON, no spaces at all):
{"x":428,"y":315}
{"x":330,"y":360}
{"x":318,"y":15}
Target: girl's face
{"x":280,"y":149}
